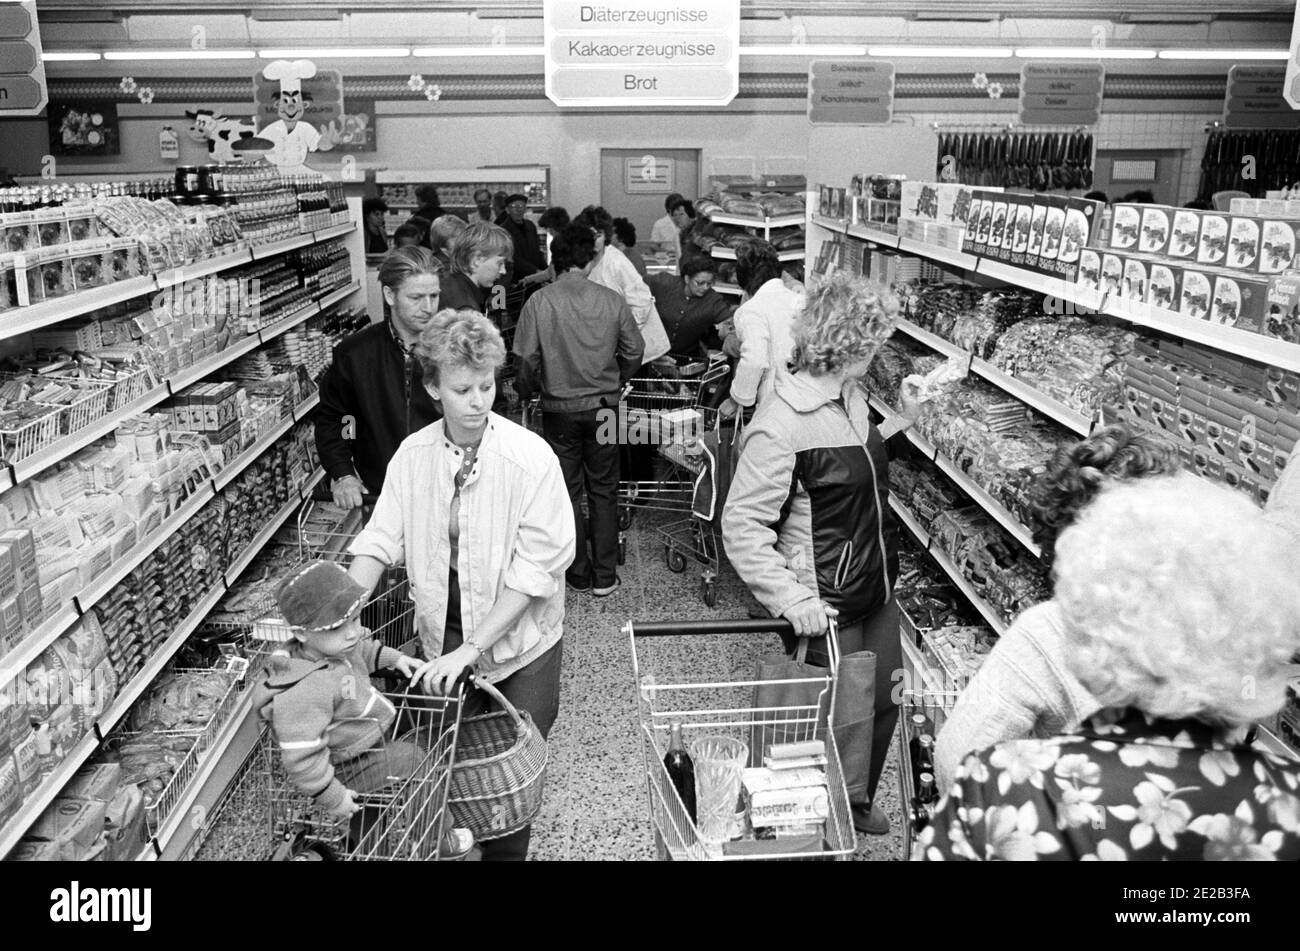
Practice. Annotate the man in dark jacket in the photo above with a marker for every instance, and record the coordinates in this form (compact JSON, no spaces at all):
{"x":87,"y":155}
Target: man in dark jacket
{"x":528,"y":257}
{"x":373,"y":395}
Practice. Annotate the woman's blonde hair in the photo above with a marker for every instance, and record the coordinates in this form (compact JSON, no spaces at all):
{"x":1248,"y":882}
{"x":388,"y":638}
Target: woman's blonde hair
{"x":1180,"y":599}
{"x":482,"y":240}
{"x":459,"y":338}
{"x":844,"y":319}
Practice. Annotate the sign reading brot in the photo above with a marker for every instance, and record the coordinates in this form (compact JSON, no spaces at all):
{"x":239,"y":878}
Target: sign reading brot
{"x":642,"y":52}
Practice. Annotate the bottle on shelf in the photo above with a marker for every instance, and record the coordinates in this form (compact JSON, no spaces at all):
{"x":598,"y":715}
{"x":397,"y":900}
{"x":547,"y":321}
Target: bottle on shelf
{"x":681,"y":770}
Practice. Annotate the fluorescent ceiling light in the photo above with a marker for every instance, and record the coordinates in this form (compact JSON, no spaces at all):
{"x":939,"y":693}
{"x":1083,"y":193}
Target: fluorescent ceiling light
{"x":473,"y":51}
{"x":803,"y":49}
{"x":357,"y":52}
{"x":178,"y":54}
{"x":1081,"y":52}
{"x":957,"y":52}
{"x":1224,"y":54}
{"x":69,"y":57}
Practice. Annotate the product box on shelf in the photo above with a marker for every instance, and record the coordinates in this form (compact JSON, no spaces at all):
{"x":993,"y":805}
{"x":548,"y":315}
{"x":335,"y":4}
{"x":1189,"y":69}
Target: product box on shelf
{"x":1053,"y":236}
{"x":1037,"y":222}
{"x":1282,"y":309}
{"x":1126,"y":227}
{"x":1185,"y":234}
{"x":1133,"y":287}
{"x":979,"y":205}
{"x":1240,"y":301}
{"x":1076,"y":231}
{"x":1279,"y":241}
{"x":1243,"y":244}
{"x":992,"y":239}
{"x":1215,"y":234}
{"x":1162,"y":286}
{"x":1089,"y":269}
{"x":1112,"y":272}
{"x":1197,"y":293}
{"x":1020,"y":233}
{"x":1155,"y":229}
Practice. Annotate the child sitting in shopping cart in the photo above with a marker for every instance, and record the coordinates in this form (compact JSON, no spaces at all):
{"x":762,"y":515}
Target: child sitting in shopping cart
{"x":329,"y":720}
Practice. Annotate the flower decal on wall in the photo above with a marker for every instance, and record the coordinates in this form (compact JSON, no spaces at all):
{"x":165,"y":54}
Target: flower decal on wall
{"x":980,"y":81}
{"x":127,"y":85}
{"x":416,"y":83}
{"x":433,"y":92}
{"x":145,"y":94}
{"x":995,"y":90}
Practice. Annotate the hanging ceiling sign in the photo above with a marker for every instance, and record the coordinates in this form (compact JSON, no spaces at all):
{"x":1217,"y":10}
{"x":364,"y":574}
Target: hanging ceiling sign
{"x":1255,"y":99}
{"x":850,"y":92}
{"x":1061,"y":93}
{"x":625,"y":53}
{"x":22,"y":71}
{"x":1291,"y":89}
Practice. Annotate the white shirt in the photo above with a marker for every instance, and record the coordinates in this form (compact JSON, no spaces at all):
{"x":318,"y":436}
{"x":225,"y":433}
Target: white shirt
{"x":763,"y":324}
{"x":291,"y":146}
{"x":665,"y":231}
{"x":516,"y":530}
{"x":616,"y":272}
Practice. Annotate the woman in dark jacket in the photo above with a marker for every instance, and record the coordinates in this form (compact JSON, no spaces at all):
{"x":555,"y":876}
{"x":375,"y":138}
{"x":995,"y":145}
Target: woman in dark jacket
{"x":805,"y":523}
{"x":479,"y":256}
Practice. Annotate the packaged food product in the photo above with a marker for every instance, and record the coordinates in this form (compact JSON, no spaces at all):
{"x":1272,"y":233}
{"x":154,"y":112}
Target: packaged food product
{"x":1185,"y":233}
{"x":1278,"y":243}
{"x":51,"y":227}
{"x":1243,"y":244}
{"x":18,"y":232}
{"x":1126,"y":227}
{"x":1155,"y":229}
{"x":1214,"y":239}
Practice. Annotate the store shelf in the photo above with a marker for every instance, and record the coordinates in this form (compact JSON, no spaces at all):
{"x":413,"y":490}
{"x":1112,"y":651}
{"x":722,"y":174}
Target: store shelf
{"x":192,"y":272}
{"x":342,"y":294}
{"x":242,"y":461}
{"x":268,"y":531}
{"x":908,"y":519}
{"x":1083,"y":298}
{"x":35,"y":316}
{"x":1068,"y":417}
{"x":923,"y":445}
{"x":728,"y":289}
{"x":728,"y":254}
{"x":34,"y":644}
{"x":957,"y":259}
{"x":933,"y":341}
{"x":122,"y":567}
{"x":304,"y":409}
{"x":336,"y":231}
{"x":912,"y":656}
{"x":264,"y":251}
{"x":50,"y":787}
{"x":271,"y":331}
{"x":745,"y":221}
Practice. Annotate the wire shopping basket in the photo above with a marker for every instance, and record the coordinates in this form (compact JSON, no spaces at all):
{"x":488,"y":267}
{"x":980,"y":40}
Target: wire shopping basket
{"x":727,"y":708}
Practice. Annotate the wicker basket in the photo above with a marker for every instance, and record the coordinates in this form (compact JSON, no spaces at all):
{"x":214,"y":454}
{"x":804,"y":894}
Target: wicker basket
{"x":499,"y":772}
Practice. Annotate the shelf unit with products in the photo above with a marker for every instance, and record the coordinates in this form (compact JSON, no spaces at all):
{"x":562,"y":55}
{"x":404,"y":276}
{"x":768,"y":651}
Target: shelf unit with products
{"x":456,"y":187}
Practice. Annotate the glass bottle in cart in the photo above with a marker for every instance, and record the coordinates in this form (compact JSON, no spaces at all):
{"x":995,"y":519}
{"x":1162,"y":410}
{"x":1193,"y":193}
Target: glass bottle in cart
{"x":924,"y":764}
{"x":681,"y":769}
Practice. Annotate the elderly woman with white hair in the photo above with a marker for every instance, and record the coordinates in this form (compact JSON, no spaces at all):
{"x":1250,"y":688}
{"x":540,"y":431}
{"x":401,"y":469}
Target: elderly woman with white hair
{"x":1181,"y":627}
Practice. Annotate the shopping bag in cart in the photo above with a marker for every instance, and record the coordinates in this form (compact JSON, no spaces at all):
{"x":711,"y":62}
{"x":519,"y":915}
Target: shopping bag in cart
{"x":855,"y":699}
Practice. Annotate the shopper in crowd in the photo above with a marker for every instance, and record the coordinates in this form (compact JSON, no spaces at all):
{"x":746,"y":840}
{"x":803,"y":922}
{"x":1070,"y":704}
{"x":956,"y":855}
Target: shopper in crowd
{"x":1097,"y":196}
{"x":553,"y":220}
{"x":664,"y":234}
{"x":1140,"y":196}
{"x":479,"y":258}
{"x":373,"y":211}
{"x":442,"y":232}
{"x":613,"y":270}
{"x":499,"y":206}
{"x":430,"y":207}
{"x":475,"y":507}
{"x":683,"y":215}
{"x":371,"y":396}
{"x":1200,"y":204}
{"x":763,"y":323}
{"x":414,"y":232}
{"x":805,"y":522}
{"x":1181,"y":613}
{"x":1024,"y":687}
{"x":577,"y":343}
{"x":624,"y":238}
{"x":528,"y":257}
{"x":483,"y":210}
{"x":690,"y":308}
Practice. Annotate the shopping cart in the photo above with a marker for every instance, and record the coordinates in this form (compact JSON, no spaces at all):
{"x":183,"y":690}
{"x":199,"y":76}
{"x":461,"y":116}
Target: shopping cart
{"x":406,"y":820}
{"x":728,"y":708}
{"x":928,"y":694}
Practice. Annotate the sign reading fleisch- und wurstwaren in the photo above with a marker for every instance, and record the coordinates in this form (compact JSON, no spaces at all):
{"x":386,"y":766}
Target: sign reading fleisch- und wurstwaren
{"x":1061,"y":93}
{"x":1255,"y":100}
{"x":621,"y":53}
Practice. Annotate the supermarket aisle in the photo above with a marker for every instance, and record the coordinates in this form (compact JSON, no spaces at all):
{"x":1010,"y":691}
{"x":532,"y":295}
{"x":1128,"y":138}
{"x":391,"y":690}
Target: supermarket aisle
{"x":595,"y":806}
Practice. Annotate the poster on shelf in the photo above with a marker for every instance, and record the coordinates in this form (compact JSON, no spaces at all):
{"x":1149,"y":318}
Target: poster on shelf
{"x":1254,"y":99}
{"x":850,"y":92}
{"x":22,"y":67}
{"x":1061,"y":93}
{"x":632,"y":53}
{"x":83,"y":128}
{"x":354,"y":130}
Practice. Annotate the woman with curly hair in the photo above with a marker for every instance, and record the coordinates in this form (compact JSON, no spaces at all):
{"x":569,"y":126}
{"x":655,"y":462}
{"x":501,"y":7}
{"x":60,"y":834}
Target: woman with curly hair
{"x":805,"y":523}
{"x":476,"y":507}
{"x":1181,"y":628}
{"x":1023,"y":688}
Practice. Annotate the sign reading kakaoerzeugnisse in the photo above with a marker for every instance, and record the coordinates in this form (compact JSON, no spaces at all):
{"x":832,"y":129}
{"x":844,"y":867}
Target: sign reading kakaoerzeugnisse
{"x":1061,"y":93}
{"x":22,"y":71}
{"x":642,"y":52}
{"x":850,"y":92}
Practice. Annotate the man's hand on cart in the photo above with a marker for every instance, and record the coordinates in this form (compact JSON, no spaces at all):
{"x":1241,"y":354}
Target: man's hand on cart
{"x":729,"y":408}
{"x":809,"y":618}
{"x":347,"y":492}
{"x":407,"y":666}
{"x":439,"y":676}
{"x":346,"y":806}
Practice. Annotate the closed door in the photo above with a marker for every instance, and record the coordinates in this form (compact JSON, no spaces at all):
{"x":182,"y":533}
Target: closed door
{"x":1120,"y":171}
{"x":635,"y":182}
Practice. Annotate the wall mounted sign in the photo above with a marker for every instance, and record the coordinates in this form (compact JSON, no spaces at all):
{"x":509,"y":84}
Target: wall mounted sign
{"x":850,"y":92}
{"x":1255,"y":99}
{"x":633,"y":53}
{"x":1291,"y":91}
{"x":22,"y":70}
{"x":1061,"y":93}
{"x":649,"y":175}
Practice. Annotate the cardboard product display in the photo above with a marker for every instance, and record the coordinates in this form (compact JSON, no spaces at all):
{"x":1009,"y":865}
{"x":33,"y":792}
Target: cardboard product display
{"x":1156,"y":229}
{"x":1240,"y":301}
{"x":1197,"y":294}
{"x":1125,"y":227}
{"x":1215,"y":234}
{"x":1162,"y":286}
{"x":1282,"y":308}
{"x":1081,"y":217}
{"x":1184,"y":234}
{"x":1037,"y":221}
{"x":1112,"y":272}
{"x":1089,"y":270}
{"x":1053,"y":232}
{"x":1278,"y":243}
{"x":1020,"y":236}
{"x":1134,"y":285}
{"x":997,"y":225}
{"x":1243,"y":244}
{"x":970,"y":243}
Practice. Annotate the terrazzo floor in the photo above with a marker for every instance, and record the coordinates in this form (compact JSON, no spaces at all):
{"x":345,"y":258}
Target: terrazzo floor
{"x":595,"y":806}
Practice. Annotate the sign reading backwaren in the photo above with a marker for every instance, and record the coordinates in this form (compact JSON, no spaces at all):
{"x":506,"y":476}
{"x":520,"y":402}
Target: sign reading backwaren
{"x":630,"y":53}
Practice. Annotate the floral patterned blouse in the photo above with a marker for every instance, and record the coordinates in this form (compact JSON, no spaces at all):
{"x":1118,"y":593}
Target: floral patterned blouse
{"x":1123,"y":787}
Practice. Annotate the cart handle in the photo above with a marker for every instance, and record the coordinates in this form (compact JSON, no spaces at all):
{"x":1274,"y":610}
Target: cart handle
{"x":776,"y":625}
{"x":322,"y":494}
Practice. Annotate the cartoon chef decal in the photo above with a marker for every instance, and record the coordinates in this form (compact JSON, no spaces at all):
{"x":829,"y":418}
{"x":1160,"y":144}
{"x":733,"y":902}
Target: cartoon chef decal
{"x":291,"y":136}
